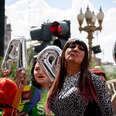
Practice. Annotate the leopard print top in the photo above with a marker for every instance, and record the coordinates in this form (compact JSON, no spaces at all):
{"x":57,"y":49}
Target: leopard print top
{"x":69,"y":103}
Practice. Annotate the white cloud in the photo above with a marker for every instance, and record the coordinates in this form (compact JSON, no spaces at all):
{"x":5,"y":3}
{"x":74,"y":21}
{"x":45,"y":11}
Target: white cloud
{"x":114,"y":1}
{"x":26,"y":13}
{"x":107,"y":37}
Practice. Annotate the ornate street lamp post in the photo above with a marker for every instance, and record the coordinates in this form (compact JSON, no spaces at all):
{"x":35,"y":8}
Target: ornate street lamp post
{"x":90,"y":27}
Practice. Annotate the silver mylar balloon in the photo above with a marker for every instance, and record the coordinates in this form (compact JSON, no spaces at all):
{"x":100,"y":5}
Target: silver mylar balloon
{"x":10,"y":56}
{"x":49,"y":58}
{"x":16,"y":52}
{"x":114,"y":52}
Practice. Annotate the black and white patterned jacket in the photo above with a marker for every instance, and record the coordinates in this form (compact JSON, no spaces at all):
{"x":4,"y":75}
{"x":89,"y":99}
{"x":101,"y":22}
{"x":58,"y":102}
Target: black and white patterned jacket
{"x":69,"y":103}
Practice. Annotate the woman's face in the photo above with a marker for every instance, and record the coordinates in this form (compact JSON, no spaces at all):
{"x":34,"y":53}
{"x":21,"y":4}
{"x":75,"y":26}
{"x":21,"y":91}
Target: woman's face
{"x":75,"y":53}
{"x":40,"y":75}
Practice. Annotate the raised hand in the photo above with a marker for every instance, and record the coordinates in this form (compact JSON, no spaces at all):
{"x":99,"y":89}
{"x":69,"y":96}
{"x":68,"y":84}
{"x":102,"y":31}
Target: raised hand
{"x":21,"y":77}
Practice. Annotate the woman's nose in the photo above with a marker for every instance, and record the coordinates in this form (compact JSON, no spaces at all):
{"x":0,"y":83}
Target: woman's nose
{"x":76,"y":48}
{"x":40,"y":71}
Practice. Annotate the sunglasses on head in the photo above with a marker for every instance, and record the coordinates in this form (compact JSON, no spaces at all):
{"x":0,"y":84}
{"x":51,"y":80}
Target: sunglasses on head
{"x":80,"y":47}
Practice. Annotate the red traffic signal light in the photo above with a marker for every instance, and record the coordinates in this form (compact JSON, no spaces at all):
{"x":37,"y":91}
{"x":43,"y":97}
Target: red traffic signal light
{"x":55,"y":29}
{"x":60,"y":29}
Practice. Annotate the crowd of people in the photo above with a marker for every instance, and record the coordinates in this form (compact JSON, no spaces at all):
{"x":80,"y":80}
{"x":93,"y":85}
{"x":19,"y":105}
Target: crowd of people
{"x":75,"y":91}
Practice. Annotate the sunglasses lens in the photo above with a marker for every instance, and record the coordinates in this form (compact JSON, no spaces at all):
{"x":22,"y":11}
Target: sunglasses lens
{"x":72,"y":46}
{"x":80,"y":47}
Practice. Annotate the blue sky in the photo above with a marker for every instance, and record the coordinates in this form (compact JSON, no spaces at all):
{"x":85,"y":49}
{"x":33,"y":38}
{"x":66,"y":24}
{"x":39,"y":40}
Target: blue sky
{"x":64,"y":4}
{"x":9,"y":2}
{"x":106,"y":4}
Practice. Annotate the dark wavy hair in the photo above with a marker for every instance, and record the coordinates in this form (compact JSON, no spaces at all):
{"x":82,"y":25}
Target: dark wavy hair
{"x":85,"y":83}
{"x":33,"y":81}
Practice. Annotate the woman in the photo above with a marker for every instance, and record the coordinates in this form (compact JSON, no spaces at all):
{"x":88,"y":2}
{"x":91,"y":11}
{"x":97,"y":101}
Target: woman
{"x":42,"y":81}
{"x":75,"y":91}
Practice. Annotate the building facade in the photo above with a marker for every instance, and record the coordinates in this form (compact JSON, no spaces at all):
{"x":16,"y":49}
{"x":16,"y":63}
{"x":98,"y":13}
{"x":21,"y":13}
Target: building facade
{"x":7,"y":34}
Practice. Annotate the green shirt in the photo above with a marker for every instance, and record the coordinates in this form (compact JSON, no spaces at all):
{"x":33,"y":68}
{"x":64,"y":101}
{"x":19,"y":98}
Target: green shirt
{"x":39,"y":108}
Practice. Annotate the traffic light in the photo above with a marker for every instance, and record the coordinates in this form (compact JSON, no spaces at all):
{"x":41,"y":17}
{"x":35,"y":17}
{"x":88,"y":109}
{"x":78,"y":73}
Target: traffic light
{"x":36,"y":34}
{"x":42,"y":34}
{"x":96,"y":49}
{"x":47,"y":32}
{"x":62,"y":31}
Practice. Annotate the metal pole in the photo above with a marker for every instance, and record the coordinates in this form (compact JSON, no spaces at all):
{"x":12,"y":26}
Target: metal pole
{"x":90,"y":38}
{"x":2,"y":18}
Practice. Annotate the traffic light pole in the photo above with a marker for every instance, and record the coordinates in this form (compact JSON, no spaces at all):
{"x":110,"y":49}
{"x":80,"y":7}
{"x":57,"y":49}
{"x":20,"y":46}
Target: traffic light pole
{"x":2,"y":18}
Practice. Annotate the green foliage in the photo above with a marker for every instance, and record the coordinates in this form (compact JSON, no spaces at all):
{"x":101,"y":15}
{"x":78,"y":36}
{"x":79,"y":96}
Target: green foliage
{"x":12,"y":73}
{"x":102,"y":68}
{"x":1,"y":74}
{"x":108,"y":76}
{"x":114,"y":75}
{"x":30,"y":54}
{"x":93,"y":63}
{"x":28,"y":74}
